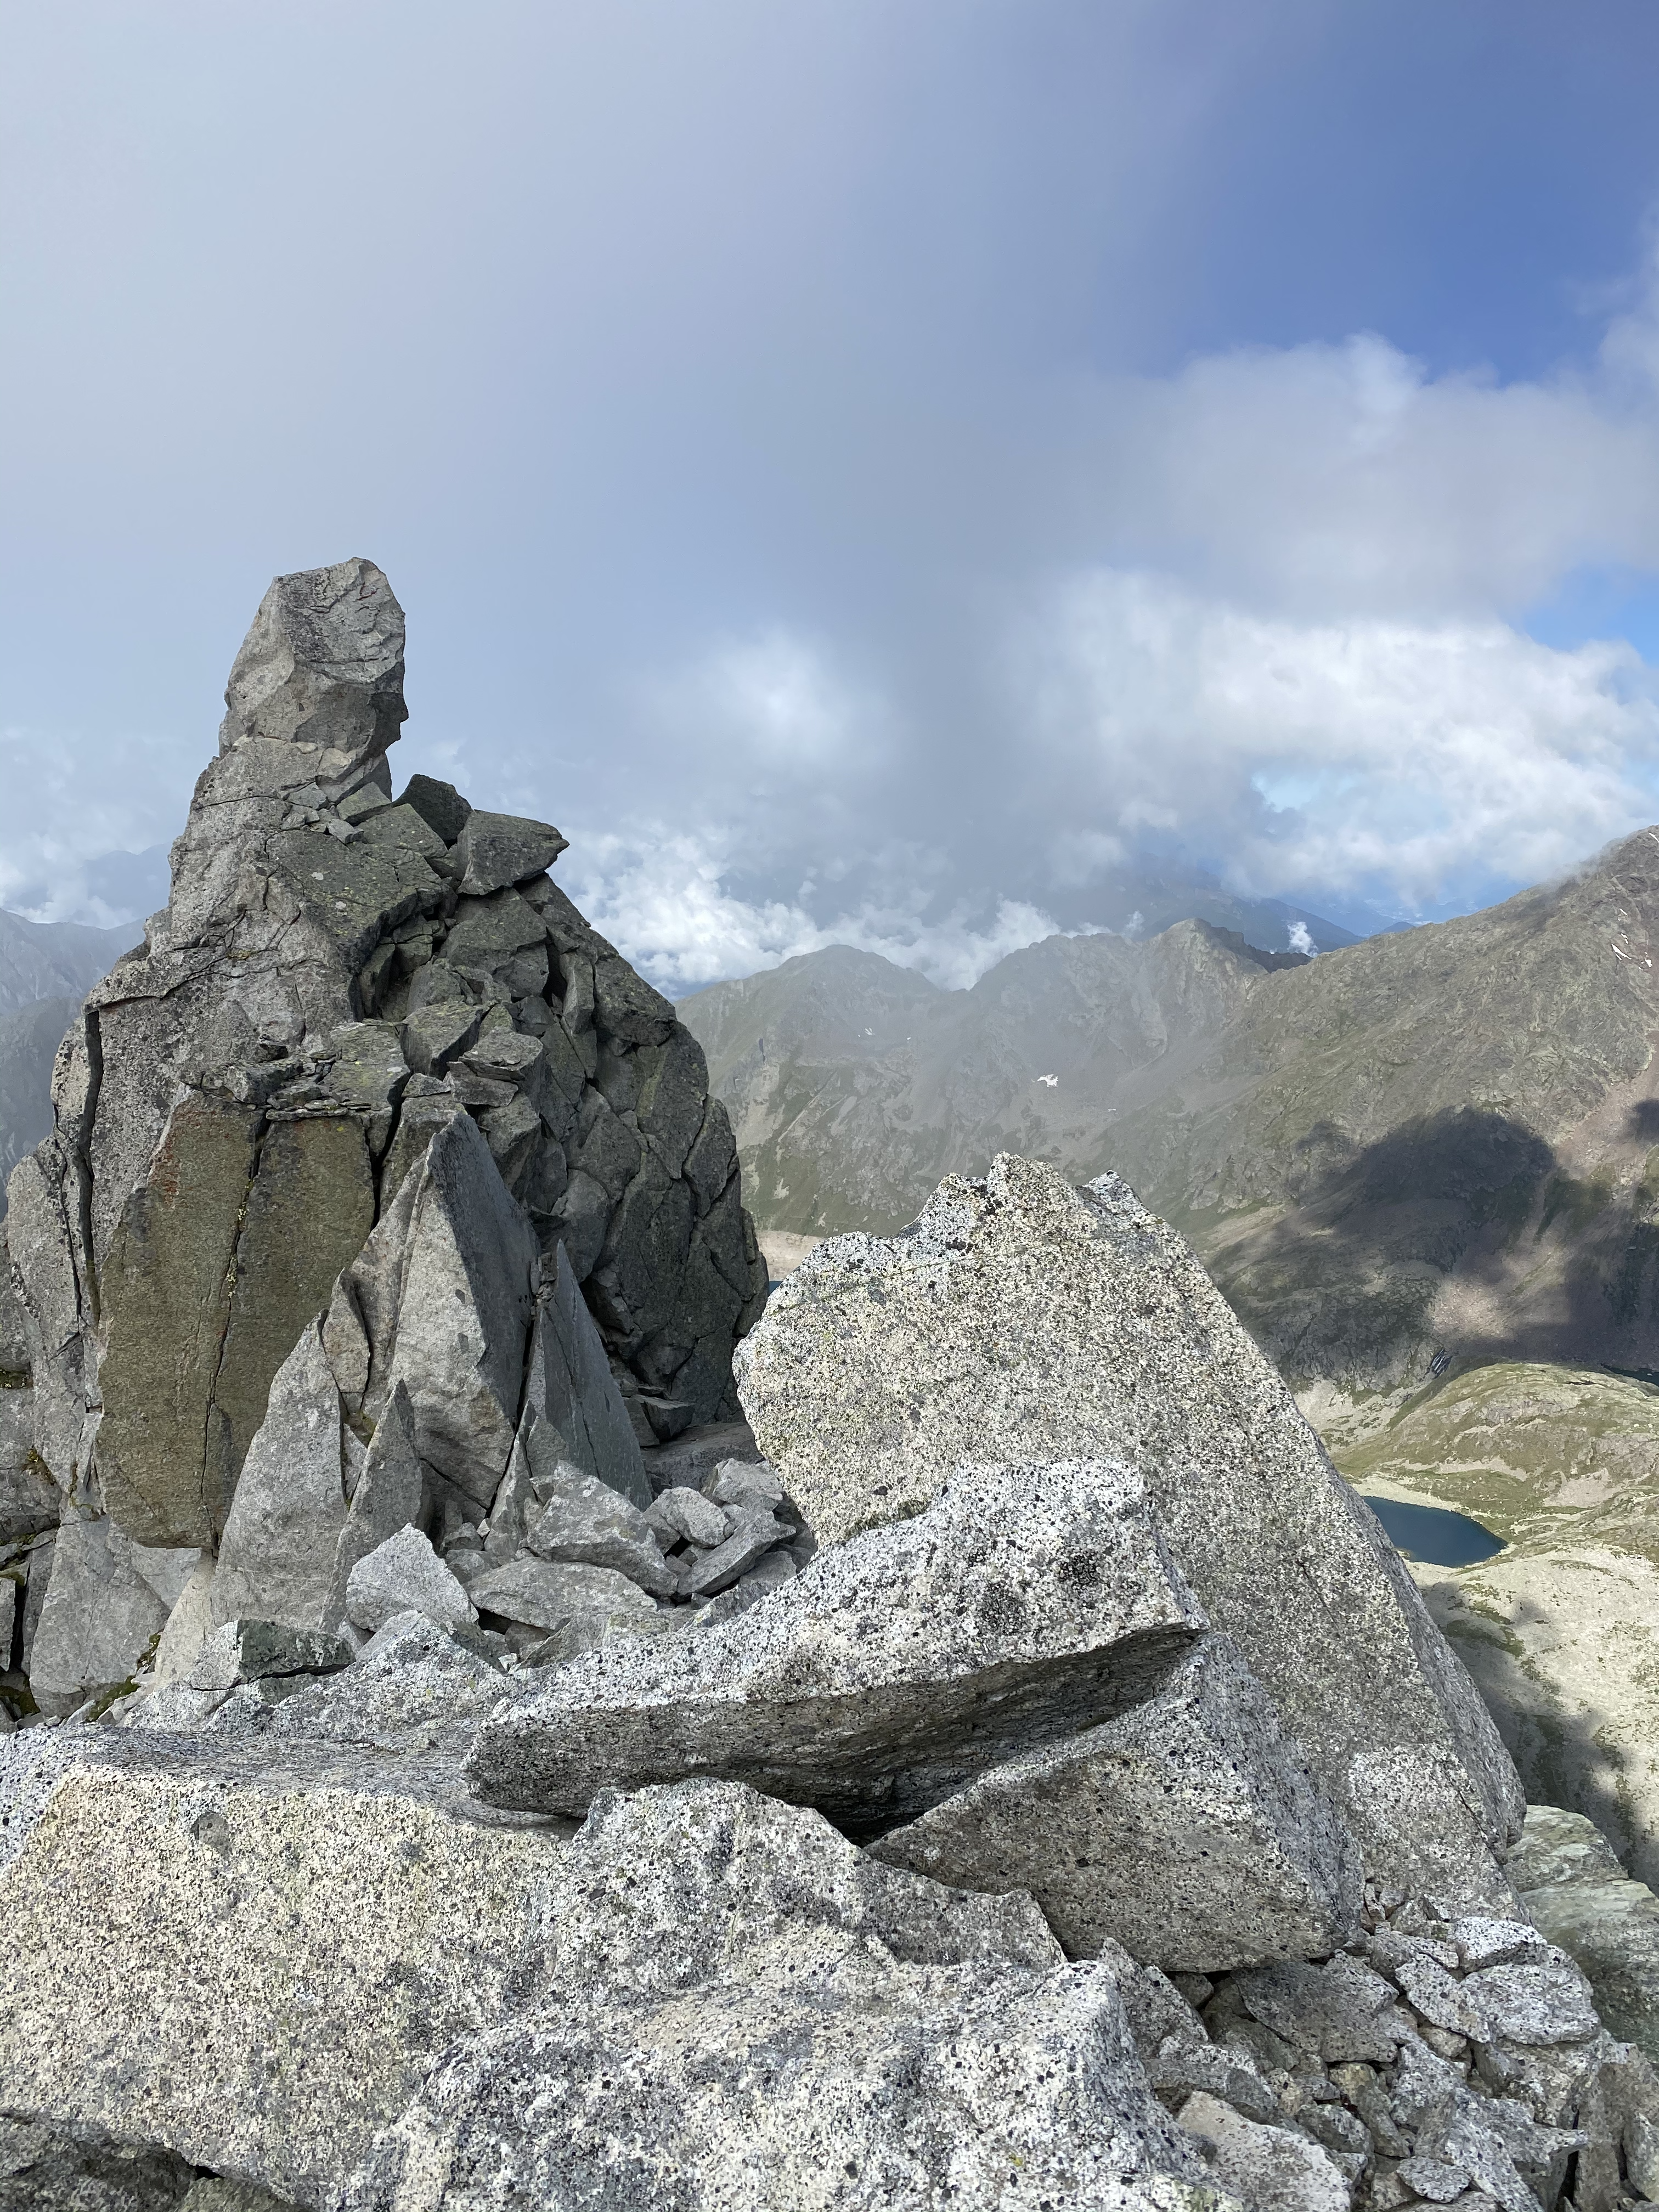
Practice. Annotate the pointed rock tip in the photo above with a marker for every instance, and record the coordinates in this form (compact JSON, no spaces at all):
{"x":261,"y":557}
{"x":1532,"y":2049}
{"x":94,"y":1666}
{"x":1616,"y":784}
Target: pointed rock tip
{"x":322,"y":663}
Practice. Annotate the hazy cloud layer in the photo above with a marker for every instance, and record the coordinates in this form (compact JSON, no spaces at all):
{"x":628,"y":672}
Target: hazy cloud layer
{"x":866,"y":473}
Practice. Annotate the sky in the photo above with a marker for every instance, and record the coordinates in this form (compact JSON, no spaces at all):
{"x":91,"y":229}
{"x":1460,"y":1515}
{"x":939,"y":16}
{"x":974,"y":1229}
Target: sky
{"x":866,"y":470}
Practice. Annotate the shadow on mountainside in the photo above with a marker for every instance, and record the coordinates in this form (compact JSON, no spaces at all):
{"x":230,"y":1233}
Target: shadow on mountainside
{"x":1458,"y":1234}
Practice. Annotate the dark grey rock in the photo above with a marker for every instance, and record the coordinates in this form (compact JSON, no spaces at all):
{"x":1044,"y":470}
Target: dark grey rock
{"x":248,"y":1650}
{"x":438,"y":1032}
{"x":445,"y":1289}
{"x":496,"y":850}
{"x":439,"y":805}
{"x":688,"y":1459}
{"x":52,"y":2169}
{"x":571,"y":1391}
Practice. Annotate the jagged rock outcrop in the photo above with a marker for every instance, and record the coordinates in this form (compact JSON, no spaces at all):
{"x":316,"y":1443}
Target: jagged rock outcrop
{"x":337,"y":977}
{"x":1022,"y":1318}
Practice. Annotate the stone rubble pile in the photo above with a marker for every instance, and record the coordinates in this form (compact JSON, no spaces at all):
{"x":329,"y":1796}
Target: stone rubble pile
{"x":454,"y":1759}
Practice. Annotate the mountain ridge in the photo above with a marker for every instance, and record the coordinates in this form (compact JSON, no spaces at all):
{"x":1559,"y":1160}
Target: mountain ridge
{"x":1441,"y":1140}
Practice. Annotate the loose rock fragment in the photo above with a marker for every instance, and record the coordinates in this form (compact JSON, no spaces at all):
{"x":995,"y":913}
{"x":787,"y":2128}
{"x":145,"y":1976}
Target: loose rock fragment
{"x":1026,"y":1602}
{"x":1188,"y":1829}
{"x":406,"y":1575}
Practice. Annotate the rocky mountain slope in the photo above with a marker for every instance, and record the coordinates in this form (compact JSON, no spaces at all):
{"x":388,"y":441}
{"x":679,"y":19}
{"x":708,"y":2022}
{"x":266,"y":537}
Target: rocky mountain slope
{"x":54,"y":959}
{"x":498,"y":1713}
{"x":1422,"y":1144}
{"x":1561,"y":1629}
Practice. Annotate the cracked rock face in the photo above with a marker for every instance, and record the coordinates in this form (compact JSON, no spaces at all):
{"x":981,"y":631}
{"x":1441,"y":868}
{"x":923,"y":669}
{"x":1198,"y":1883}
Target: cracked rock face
{"x":337,"y":977}
{"x":1023,"y":1318}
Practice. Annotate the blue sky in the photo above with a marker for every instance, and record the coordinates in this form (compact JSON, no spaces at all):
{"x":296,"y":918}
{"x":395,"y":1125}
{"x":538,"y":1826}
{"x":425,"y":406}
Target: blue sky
{"x":863,"y":471}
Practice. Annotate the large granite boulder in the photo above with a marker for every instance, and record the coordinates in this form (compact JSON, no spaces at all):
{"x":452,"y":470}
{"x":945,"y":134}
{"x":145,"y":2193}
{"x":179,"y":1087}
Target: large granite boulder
{"x":1026,"y":1603}
{"x":733,"y":2009}
{"x":337,"y":979}
{"x":1023,"y":1319}
{"x":1574,"y":1892}
{"x":246,"y":1951}
{"x":1188,"y":1829}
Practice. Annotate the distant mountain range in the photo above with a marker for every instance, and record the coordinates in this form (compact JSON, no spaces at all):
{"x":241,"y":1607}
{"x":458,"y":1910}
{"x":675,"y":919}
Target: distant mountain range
{"x":56,"y":959}
{"x":1146,"y":896}
{"x":1432,"y":1147}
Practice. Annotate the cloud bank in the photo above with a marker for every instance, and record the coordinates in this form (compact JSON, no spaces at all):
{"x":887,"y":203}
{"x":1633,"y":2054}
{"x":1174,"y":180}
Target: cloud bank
{"x":870,"y":475}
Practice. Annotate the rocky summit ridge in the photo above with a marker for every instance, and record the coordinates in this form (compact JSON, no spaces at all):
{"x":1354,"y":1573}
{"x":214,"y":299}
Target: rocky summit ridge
{"x":499,"y":1713}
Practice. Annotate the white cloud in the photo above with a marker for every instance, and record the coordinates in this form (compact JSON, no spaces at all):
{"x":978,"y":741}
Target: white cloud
{"x":1412,"y":757}
{"x":70,"y":805}
{"x":664,"y":900}
{"x":1318,"y":479}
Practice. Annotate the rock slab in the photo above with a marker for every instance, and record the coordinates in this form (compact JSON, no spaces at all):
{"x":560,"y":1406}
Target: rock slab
{"x":1025,"y":1602}
{"x":1023,"y":1319}
{"x":1187,"y":1830}
{"x":736,"y":2010}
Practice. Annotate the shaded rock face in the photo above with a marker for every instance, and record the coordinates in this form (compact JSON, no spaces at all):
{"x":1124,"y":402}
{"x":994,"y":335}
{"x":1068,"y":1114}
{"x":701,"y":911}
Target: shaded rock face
{"x":1021,"y":1316}
{"x":1187,"y":1829}
{"x":238,"y":1102}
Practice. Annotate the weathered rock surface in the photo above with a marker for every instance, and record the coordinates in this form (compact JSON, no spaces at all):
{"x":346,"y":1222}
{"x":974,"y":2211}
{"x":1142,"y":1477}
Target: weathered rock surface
{"x":29,"y":1499}
{"x":245,"y":1094}
{"x":1187,"y":1829}
{"x":733,"y":2008}
{"x":547,"y":1594}
{"x":107,"y":1601}
{"x":406,"y":1575}
{"x":1021,"y":1317}
{"x":277,"y":1560}
{"x":248,"y":1963}
{"x":1027,"y":1602}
